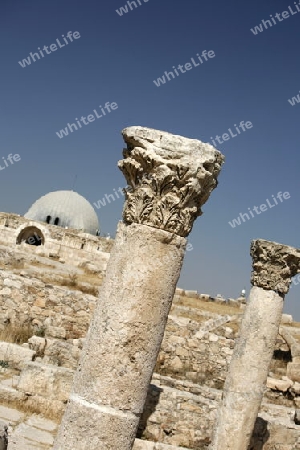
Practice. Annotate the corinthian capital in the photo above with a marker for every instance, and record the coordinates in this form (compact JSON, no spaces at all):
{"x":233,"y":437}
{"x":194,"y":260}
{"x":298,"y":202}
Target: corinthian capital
{"x":274,"y":265}
{"x":170,"y":177}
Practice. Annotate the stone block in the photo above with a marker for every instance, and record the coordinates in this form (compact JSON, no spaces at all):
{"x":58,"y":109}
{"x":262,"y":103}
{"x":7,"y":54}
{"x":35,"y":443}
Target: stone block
{"x":62,"y":353}
{"x":10,"y":415}
{"x":149,"y":445}
{"x":296,"y":388}
{"x":192,"y":294}
{"x":286,"y":318}
{"x":56,"y":332}
{"x":229,"y":333}
{"x":46,"y":381}
{"x":12,"y":283}
{"x":9,"y":395}
{"x":16,"y":356}
{"x":48,"y":407}
{"x":204,"y":297}
{"x":40,"y":302}
{"x":35,"y":435}
{"x":37,"y":344}
{"x":295,"y":351}
{"x":41,"y":423}
{"x":293,"y":371}
{"x":278,"y":385}
{"x":143,"y":445}
{"x":179,"y":291}
{"x":220,"y":300}
{"x":176,"y":364}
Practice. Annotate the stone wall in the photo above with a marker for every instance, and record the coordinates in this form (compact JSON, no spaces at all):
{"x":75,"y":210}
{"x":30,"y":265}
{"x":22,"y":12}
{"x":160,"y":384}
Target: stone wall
{"x":179,"y":413}
{"x":65,"y":244}
{"x":197,"y":351}
{"x":197,"y":344}
{"x":64,"y":313}
{"x":60,"y":312}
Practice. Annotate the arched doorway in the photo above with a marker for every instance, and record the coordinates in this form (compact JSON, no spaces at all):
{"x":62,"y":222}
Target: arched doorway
{"x":31,"y":236}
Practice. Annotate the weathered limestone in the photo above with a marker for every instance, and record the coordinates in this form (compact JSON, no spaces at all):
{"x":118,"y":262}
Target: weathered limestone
{"x":273,"y":267}
{"x":47,"y":381}
{"x":279,"y":385}
{"x":16,"y":356}
{"x":293,"y":371}
{"x":286,"y":318}
{"x":170,"y":178}
{"x":145,"y":445}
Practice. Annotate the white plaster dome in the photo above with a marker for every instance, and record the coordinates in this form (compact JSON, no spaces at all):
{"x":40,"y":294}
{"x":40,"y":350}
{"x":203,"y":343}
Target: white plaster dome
{"x":65,"y":209}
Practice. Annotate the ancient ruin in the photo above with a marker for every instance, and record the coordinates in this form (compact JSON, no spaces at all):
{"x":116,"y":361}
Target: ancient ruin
{"x":50,"y":277}
{"x":53,"y":302}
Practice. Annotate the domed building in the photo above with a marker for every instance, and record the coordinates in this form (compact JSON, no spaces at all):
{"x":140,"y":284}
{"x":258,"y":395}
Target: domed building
{"x":65,"y":209}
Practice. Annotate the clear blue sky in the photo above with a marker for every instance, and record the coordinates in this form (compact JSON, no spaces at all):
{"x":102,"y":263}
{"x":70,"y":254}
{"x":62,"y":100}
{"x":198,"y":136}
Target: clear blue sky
{"x":116,"y":59}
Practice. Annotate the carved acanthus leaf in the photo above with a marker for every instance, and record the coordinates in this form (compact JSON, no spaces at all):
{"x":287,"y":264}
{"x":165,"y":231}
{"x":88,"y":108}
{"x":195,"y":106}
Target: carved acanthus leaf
{"x":170,"y":177}
{"x":274,"y":265}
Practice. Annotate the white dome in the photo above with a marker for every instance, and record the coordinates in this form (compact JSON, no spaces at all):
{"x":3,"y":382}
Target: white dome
{"x":65,"y":209}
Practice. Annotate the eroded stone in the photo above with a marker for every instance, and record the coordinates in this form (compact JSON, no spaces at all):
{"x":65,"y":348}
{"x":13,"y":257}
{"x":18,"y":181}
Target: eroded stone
{"x":274,"y":265}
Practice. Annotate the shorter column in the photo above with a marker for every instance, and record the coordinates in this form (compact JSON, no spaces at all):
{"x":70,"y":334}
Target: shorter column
{"x":273,"y":267}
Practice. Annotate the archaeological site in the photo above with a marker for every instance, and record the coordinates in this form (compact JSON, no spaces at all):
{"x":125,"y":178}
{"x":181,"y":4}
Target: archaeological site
{"x":100,"y":349}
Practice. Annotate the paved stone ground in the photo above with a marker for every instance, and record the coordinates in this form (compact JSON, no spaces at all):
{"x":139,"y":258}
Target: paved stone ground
{"x":25,"y":431}
{"x":28,"y":432}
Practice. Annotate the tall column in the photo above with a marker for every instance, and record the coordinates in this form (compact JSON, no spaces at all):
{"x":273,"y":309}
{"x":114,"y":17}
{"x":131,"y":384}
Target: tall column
{"x":170,"y":178}
{"x":273,"y":267}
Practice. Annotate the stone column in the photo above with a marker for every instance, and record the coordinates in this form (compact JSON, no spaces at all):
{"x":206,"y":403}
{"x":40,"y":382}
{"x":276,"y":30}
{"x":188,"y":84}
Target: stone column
{"x":169,"y":179}
{"x":273,"y":267}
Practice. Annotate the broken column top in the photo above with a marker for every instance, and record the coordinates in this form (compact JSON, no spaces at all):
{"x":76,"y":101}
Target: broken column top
{"x":169,"y":176}
{"x":273,"y":265}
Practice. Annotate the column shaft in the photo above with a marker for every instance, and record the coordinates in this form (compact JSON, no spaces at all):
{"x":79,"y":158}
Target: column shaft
{"x":248,"y":371}
{"x":123,"y":342}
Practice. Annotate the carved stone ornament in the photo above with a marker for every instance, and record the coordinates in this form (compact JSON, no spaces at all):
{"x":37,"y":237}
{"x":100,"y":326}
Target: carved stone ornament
{"x":274,"y":265}
{"x":169,"y":177}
